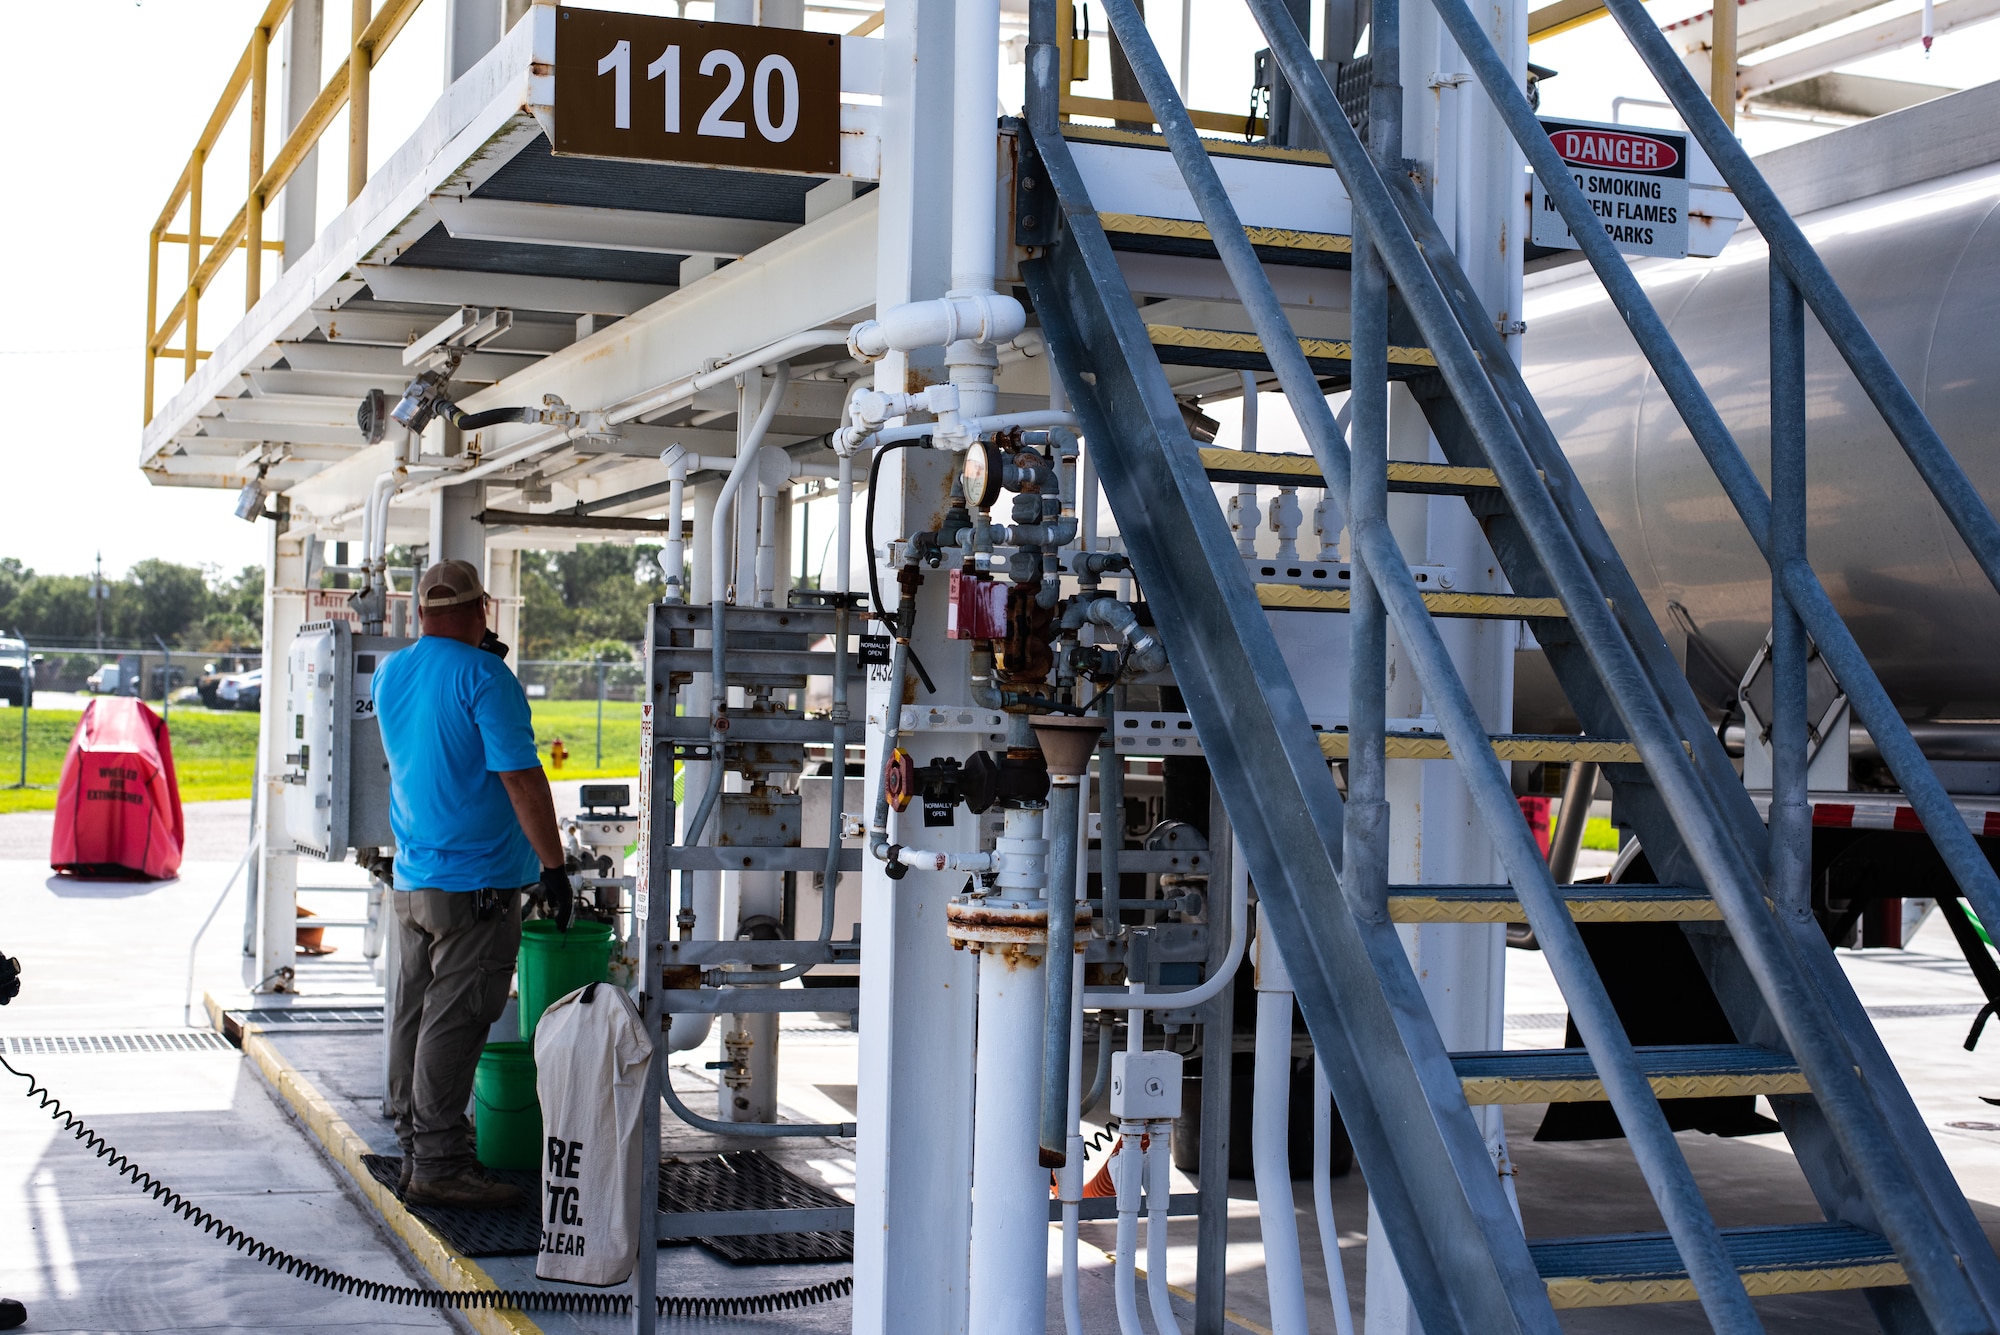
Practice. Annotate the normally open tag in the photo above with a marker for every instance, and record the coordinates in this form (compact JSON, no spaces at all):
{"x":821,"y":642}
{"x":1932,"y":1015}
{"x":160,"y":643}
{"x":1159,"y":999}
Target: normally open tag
{"x":875,"y":650}
{"x":938,"y":813}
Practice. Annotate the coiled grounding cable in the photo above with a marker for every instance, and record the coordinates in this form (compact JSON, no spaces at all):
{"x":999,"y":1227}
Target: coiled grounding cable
{"x":401,"y":1295}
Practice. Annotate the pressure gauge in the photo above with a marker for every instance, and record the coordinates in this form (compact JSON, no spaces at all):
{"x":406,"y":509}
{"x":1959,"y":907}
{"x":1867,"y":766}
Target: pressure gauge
{"x":980,"y":474}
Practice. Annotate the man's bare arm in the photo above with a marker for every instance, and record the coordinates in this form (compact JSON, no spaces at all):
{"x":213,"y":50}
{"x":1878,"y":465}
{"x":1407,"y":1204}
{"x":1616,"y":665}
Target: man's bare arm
{"x":535,"y":808}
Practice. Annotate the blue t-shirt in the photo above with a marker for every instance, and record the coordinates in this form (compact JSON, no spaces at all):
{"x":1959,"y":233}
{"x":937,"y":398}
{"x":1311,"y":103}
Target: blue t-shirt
{"x":453,"y":720}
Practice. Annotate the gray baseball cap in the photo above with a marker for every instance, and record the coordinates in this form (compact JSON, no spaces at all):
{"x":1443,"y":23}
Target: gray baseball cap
{"x":449,"y":584}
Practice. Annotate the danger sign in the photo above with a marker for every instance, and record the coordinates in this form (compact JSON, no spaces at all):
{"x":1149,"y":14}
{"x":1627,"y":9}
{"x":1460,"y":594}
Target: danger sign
{"x":1635,"y":181}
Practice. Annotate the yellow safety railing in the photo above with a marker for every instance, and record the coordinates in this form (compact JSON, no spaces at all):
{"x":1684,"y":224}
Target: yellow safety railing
{"x":372,"y":32}
{"x":1075,"y":104}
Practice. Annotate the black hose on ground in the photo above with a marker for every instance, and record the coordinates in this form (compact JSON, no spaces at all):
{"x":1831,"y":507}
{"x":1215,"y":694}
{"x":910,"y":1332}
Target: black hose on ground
{"x":402,"y":1295}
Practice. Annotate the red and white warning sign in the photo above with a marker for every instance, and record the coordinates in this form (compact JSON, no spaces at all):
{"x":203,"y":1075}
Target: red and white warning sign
{"x":1635,"y":180}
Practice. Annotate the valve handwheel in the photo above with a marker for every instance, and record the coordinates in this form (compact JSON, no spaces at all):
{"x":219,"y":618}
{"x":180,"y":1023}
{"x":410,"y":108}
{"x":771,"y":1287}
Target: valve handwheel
{"x":900,"y":780}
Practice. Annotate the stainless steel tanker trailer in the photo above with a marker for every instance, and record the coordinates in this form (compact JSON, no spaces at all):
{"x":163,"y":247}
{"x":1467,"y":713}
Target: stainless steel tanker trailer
{"x":1905,"y":210}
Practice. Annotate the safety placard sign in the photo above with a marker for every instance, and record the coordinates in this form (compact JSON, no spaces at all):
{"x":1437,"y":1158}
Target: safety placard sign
{"x":1636,"y":182}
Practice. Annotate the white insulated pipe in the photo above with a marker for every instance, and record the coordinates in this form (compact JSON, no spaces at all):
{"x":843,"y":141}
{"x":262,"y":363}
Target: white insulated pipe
{"x":1125,"y":1259}
{"x":1329,"y":1230}
{"x":1159,"y":1185}
{"x":1270,"y":1126}
{"x":1008,"y":1292}
{"x":1069,"y":1178}
{"x":975,"y":174}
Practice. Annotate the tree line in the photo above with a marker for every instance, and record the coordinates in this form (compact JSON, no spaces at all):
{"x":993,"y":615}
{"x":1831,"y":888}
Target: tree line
{"x":190,"y":607}
{"x":589,"y":603}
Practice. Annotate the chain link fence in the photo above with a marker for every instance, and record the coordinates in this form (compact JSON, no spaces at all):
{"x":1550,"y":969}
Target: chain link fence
{"x":192,"y":676}
{"x":582,"y":679}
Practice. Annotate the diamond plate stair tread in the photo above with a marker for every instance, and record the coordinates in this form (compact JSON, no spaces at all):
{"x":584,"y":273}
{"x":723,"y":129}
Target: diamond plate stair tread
{"x":737,"y":1180}
{"x":1773,"y":1258}
{"x":1569,"y":1075}
{"x":1587,"y":903}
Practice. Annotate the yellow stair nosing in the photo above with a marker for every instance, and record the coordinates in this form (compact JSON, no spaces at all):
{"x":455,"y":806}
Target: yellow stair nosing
{"x":1229,"y":340}
{"x":1569,"y":1292}
{"x":1491,"y":1090}
{"x":1422,"y":908}
{"x":1306,"y":469}
{"x":1333,"y":745}
{"x":1282,"y":238}
{"x":1294,"y":598}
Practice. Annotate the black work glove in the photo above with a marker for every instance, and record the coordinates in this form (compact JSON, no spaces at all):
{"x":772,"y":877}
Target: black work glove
{"x":10,"y":979}
{"x":558,"y":899}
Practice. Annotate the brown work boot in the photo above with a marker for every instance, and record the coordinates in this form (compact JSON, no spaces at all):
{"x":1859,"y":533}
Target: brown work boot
{"x":468,"y":1189}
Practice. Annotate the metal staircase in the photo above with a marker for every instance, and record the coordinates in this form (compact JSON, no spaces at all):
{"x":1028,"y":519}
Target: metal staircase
{"x":1897,"y":1226}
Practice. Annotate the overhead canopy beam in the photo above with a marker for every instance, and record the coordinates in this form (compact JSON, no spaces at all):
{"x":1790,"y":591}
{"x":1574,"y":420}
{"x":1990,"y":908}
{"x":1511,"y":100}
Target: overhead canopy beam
{"x":1761,"y":24}
{"x":528,"y":223}
{"x":1859,"y":96}
{"x":1889,"y":35}
{"x":533,"y":292}
{"x":360,"y":359}
{"x":572,"y":520}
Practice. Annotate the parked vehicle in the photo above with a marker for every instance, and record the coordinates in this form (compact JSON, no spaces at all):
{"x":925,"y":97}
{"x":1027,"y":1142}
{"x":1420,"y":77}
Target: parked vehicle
{"x":241,"y":690}
{"x":17,"y":673}
{"x":105,"y":681}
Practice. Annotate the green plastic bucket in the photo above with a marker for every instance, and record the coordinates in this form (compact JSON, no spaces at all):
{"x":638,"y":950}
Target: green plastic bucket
{"x":554,"y":964}
{"x":508,"y":1124}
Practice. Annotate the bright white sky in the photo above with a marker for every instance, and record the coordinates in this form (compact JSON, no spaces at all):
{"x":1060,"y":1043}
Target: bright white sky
{"x":92,"y":172}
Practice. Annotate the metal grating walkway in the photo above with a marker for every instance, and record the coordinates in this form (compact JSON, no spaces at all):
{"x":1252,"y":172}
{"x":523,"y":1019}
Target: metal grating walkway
{"x":93,"y":1045}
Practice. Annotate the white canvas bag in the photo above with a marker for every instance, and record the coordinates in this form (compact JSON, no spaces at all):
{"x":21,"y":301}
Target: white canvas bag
{"x":591,"y":1059}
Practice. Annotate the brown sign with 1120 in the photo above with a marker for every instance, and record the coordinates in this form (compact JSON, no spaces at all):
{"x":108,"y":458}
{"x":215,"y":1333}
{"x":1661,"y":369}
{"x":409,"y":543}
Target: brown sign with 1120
{"x":674,"y":90}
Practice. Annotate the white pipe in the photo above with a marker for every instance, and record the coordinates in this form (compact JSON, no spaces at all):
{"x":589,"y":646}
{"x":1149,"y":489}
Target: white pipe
{"x":974,"y":315}
{"x":1009,"y":1286}
{"x":974,"y":168}
{"x":1159,"y":1183}
{"x":674,"y":392}
{"x":1284,"y":1272}
{"x":673,"y":561}
{"x":722,"y":463}
{"x":767,"y":544}
{"x":746,"y":458}
{"x":1124,"y":1277}
{"x":1137,"y":998}
{"x":1329,"y":1231}
{"x":1069,"y":1178}
{"x":843,"y":556}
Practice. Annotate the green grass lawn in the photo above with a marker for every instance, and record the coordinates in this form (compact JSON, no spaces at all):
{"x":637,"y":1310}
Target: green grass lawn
{"x":215,"y":753}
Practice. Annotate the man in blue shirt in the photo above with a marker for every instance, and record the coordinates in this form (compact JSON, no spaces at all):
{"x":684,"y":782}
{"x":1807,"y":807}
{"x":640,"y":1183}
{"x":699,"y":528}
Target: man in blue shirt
{"x":475,"y":828}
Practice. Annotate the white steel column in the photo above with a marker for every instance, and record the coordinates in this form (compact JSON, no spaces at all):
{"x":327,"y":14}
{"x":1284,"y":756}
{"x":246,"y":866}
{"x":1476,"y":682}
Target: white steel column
{"x":455,"y":534}
{"x":1437,"y":837}
{"x":503,"y":585}
{"x":1010,"y":1217}
{"x":471,"y":29}
{"x":913,"y":1153}
{"x":277,"y":882}
{"x":301,"y":75}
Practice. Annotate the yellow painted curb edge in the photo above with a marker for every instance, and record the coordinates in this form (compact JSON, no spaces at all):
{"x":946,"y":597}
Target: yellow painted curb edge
{"x":345,"y":1146}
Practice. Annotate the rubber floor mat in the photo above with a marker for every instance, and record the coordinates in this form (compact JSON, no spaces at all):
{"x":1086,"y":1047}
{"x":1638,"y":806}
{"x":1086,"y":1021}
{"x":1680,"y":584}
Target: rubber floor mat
{"x":751,"y":1180}
{"x":512,"y":1232}
{"x":736,"y":1180}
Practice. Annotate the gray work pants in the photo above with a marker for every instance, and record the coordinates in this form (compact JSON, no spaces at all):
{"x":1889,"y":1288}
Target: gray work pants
{"x":454,"y":974}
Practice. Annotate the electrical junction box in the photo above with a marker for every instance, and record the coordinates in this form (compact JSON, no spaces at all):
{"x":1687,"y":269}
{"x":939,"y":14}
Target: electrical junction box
{"x":336,"y":774}
{"x":1145,"y":1086}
